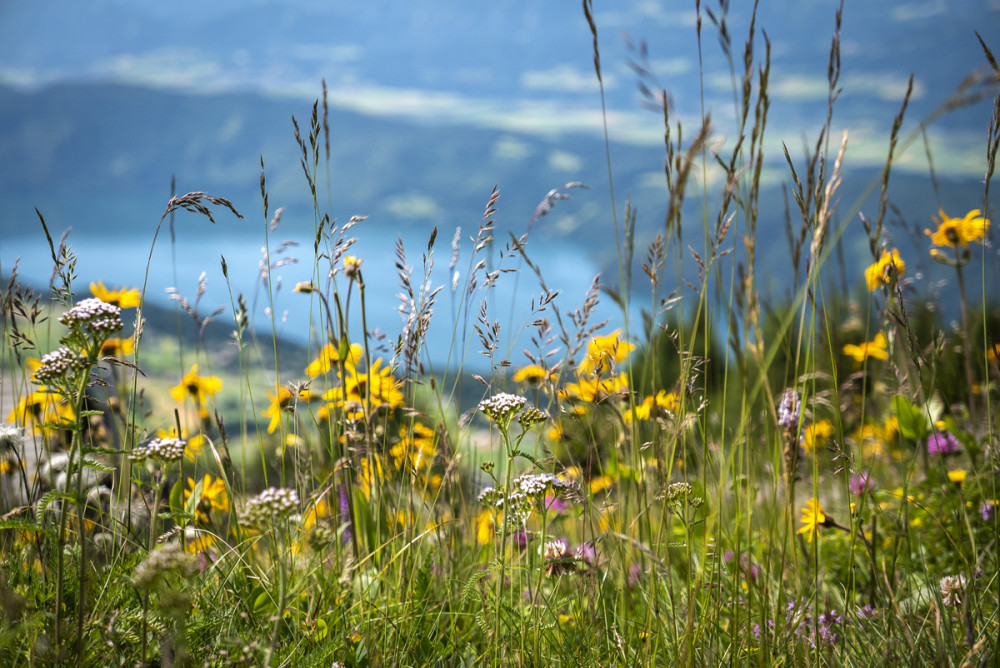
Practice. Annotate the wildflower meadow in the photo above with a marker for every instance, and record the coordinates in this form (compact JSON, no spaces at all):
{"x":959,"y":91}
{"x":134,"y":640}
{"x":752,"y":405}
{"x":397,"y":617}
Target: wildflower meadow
{"x":727,"y":473}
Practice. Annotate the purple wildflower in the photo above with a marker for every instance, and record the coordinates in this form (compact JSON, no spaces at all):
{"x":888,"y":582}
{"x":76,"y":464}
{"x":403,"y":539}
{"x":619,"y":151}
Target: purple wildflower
{"x":789,"y":409}
{"x":345,"y":514}
{"x":860,"y":483}
{"x":556,"y":504}
{"x":987,"y":509}
{"x":586,"y":553}
{"x":942,"y":444}
{"x":866,"y":613}
{"x":634,"y":576}
{"x":750,"y":569}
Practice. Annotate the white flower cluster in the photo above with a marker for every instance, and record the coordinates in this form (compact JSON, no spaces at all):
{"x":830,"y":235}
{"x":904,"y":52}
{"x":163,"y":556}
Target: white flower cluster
{"x":678,"y":490}
{"x":527,"y":491}
{"x":490,"y":496}
{"x":680,"y":495}
{"x":270,"y":504}
{"x":170,"y":558}
{"x":94,"y":315}
{"x":167,"y":449}
{"x":58,"y":364}
{"x":537,"y":484}
{"x":502,"y":407}
{"x":951,"y":589}
{"x":516,"y":505}
{"x":531,"y":416}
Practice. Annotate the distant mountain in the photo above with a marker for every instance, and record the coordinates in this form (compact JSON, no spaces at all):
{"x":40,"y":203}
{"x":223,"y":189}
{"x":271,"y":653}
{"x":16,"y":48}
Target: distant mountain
{"x":99,"y":158}
{"x":94,"y":144}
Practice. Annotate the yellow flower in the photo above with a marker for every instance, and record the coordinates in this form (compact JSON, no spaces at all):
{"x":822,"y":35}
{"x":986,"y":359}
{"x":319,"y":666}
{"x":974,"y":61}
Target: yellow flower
{"x":120,"y":297}
{"x":555,"y":432}
{"x":604,"y":352}
{"x":599,"y":483}
{"x":371,"y":471}
{"x":195,"y":387}
{"x":415,"y":447}
{"x":213,"y":496}
{"x":592,"y":389}
{"x":532,"y":375}
{"x":877,"y":348}
{"x":641,"y":411}
{"x":891,"y":428}
{"x":319,"y":510}
{"x":663,"y":400}
{"x":485,"y":527}
{"x":957,"y":476}
{"x":352,"y":266}
{"x":280,"y":402}
{"x":812,"y":518}
{"x":202,"y":543}
{"x":374,"y":389}
{"x":667,"y":401}
{"x":815,"y":435}
{"x":330,"y":354}
{"x":898,"y":493}
{"x":886,"y":269}
{"x":41,"y":410}
{"x":993,"y":352}
{"x":955,"y":231}
{"x":117,"y":347}
{"x":872,"y":439}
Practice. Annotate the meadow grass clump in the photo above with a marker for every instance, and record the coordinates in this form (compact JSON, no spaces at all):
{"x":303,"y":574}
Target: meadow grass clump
{"x":744,"y":478}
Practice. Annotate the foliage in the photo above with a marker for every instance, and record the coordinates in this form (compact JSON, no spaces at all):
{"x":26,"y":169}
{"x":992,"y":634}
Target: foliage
{"x":746,"y":478}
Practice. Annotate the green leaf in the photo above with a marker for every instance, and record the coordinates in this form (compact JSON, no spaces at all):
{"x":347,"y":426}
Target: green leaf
{"x":49,"y":497}
{"x":263,"y":603}
{"x":913,"y":424}
{"x":177,"y":498}
{"x":91,"y":464}
{"x":25,"y":525}
{"x":525,"y":455}
{"x":191,"y":506}
{"x":322,"y":630}
{"x":470,"y":585}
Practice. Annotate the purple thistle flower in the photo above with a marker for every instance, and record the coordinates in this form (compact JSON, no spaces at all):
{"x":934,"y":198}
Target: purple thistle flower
{"x":943,"y":444}
{"x":860,"y":483}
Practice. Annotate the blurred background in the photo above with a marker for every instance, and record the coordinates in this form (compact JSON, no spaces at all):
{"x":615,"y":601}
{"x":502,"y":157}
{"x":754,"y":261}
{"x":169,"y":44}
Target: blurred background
{"x":431,"y":104}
